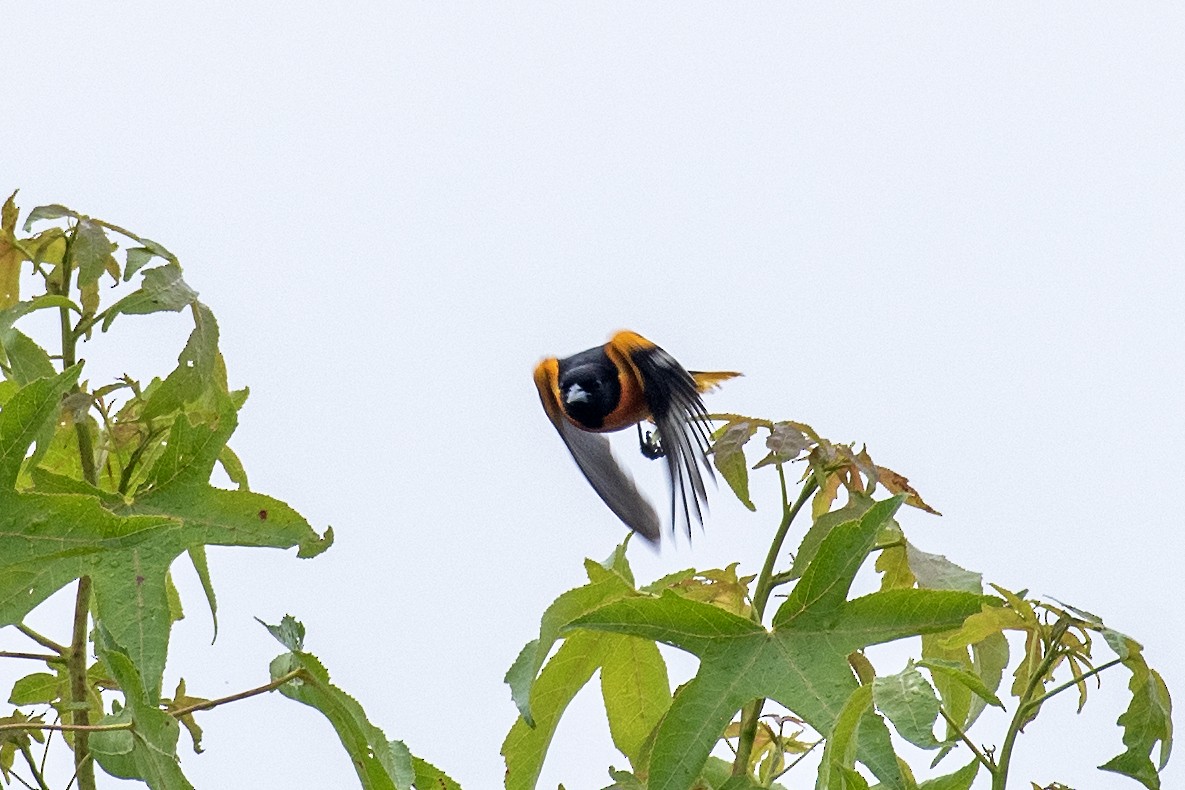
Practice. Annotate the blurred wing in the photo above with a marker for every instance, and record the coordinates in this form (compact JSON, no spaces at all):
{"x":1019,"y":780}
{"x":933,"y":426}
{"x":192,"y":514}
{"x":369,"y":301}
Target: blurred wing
{"x":681,"y":417}
{"x":592,"y":454}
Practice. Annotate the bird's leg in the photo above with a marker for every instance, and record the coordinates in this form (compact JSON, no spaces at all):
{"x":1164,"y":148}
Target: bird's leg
{"x":650,"y":444}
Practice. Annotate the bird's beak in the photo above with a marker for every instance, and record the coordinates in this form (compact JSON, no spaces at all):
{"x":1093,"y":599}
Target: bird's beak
{"x":575,"y":394}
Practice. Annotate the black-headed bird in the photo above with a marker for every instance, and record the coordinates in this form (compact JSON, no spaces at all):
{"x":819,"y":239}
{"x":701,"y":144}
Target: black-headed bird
{"x":622,"y":383}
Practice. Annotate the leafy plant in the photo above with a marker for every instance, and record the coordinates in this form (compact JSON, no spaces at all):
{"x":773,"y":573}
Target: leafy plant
{"x":808,"y":657}
{"x":104,"y":486}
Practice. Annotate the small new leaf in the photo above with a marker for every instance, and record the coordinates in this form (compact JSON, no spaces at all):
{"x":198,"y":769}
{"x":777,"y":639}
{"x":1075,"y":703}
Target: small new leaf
{"x":52,"y":211}
{"x":36,"y":689}
{"x":786,"y":441}
{"x":90,"y":252}
{"x":728,"y":456}
{"x":163,"y":289}
{"x":289,"y":632}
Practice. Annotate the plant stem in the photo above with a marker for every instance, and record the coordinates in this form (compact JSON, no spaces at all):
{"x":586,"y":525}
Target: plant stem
{"x":44,"y":641}
{"x":750,"y":715}
{"x":765,"y":585}
{"x":76,"y":665}
{"x":76,"y":657}
{"x":1076,"y":681}
{"x":1025,"y":704}
{"x":765,"y":580}
{"x":82,"y":729}
{"x":33,"y":767}
{"x":46,"y":657}
{"x":213,"y":703}
{"x":963,"y":737}
{"x":125,"y":725}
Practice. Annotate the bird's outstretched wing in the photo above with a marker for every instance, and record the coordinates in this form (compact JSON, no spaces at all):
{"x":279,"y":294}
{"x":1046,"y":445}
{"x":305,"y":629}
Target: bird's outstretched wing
{"x":592,"y":454}
{"x":673,"y":398}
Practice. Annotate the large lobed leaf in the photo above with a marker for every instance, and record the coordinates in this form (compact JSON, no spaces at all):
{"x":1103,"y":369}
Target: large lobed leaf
{"x":48,"y":540}
{"x":802,"y":663}
{"x":634,"y":680}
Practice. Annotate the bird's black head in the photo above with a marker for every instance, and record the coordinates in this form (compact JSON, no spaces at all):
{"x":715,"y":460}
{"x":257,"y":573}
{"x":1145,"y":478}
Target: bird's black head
{"x":589,"y":389}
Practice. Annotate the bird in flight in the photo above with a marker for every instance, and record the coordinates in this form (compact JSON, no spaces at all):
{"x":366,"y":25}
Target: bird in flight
{"x":622,"y":383}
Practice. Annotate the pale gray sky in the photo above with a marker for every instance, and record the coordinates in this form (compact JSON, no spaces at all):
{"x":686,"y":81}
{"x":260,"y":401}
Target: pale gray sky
{"x":954,"y":232}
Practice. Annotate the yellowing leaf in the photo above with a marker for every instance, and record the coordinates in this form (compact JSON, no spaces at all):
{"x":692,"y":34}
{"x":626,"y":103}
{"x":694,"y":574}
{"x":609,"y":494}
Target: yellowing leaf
{"x":721,"y":588}
{"x":899,"y":484}
{"x":10,"y":256}
{"x":989,"y":620}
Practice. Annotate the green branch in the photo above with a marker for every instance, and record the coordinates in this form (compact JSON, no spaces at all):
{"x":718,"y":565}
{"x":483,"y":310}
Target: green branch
{"x":213,"y":703}
{"x":766,"y":582}
{"x":37,"y":775}
{"x":49,"y":658}
{"x":979,"y":755}
{"x":44,"y":641}
{"x":1026,"y":705}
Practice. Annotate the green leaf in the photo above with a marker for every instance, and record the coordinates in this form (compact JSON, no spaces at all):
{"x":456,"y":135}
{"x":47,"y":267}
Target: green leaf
{"x":1146,"y":722}
{"x":34,"y":407}
{"x":786,"y":441}
{"x":27,"y":361}
{"x":837,"y":770}
{"x":126,"y":549}
{"x":182,"y":700}
{"x":400,"y":764}
{"x":38,"y":688}
{"x":857,"y":506}
{"x":718,"y":773}
{"x":624,"y":780}
{"x":429,"y":777}
{"x":959,"y":780}
{"x":233,"y":467}
{"x":381,"y":764}
{"x":155,"y":732}
{"x":910,"y":703}
{"x":728,"y":456}
{"x":618,"y":563}
{"x":989,"y":660}
{"x":636,"y":691}
{"x":90,"y":251}
{"x":954,"y":671}
{"x":113,"y":748}
{"x":11,"y":256}
{"x":802,"y":664}
{"x":289,"y":632}
{"x":820,"y":593}
{"x":137,"y":257}
{"x":936,"y":572}
{"x":566,"y":608}
{"x":197,"y":555}
{"x":162,"y":289}
{"x":10,"y":315}
{"x":157,"y":249}
{"x":197,"y":373}
{"x":566,"y":673}
{"x":52,"y":211}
